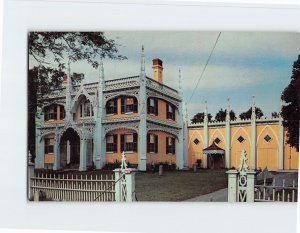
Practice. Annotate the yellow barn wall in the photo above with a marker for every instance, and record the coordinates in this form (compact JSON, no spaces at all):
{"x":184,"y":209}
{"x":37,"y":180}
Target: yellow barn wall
{"x":111,"y":157}
{"x":267,"y":152}
{"x":195,"y":152}
{"x":161,"y":156}
{"x":237,"y":147}
{"x":291,"y":157}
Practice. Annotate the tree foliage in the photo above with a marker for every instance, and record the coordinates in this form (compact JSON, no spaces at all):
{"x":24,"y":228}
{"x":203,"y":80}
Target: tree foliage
{"x":51,"y":52}
{"x":199,"y":117}
{"x":290,"y":111}
{"x":247,"y":115}
{"x":221,"y":115}
{"x":275,"y":114}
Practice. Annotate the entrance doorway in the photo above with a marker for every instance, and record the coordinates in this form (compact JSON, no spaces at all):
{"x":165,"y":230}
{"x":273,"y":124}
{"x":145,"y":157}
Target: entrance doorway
{"x":215,"y":161}
{"x":70,"y":149}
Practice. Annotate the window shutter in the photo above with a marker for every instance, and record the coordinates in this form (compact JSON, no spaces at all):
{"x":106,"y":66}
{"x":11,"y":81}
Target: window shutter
{"x":173,"y":145}
{"x":115,"y":142}
{"x":167,"y":110}
{"x":167,"y":145}
{"x":122,"y":143}
{"x":122,"y":104}
{"x":135,"y":142}
{"x":116,"y":105}
{"x":135,"y":105}
{"x":148,"y":143}
{"x":156,"y":143}
{"x":148,"y":105}
{"x":156,"y":106}
{"x":174,"y":113}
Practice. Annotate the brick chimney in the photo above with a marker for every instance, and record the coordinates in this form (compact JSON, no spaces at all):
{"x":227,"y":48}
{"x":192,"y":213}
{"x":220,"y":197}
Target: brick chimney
{"x":157,"y":70}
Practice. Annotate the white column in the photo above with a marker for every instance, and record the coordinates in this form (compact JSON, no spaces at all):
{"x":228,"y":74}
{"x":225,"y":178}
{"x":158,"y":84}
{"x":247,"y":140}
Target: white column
{"x":39,"y":152}
{"x":56,"y":165}
{"x":232,"y":185}
{"x":82,"y":166}
{"x":250,"y":185}
{"x":281,"y":143}
{"x":205,"y":136}
{"x":68,"y":152}
{"x":99,"y":145}
{"x":142,"y":132}
{"x":30,"y":174}
{"x":228,"y":141}
{"x":253,"y":137}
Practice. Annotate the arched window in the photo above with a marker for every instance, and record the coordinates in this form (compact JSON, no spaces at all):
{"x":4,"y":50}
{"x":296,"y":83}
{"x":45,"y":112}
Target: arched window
{"x":112,"y":106}
{"x":152,"y":143}
{"x":51,"y":113}
{"x":129,"y":104}
{"x":86,"y":109}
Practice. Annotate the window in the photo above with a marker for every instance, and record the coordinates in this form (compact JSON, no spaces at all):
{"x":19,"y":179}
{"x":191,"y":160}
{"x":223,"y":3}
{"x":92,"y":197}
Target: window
{"x":267,"y":138}
{"x":62,"y":113}
{"x":111,"y":143}
{"x":196,"y":141}
{"x":112,"y":106}
{"x":241,"y":139}
{"x":128,"y":104}
{"x":129,"y":142}
{"x":217,"y":140}
{"x":49,"y":145}
{"x":152,"y":143}
{"x":51,"y":113}
{"x":152,"y":106}
{"x":170,"y":112}
{"x":170,"y":145}
{"x":86,"y":109}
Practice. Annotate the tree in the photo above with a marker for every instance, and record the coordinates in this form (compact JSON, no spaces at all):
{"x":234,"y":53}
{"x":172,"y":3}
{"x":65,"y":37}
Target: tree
{"x":51,"y":51}
{"x":275,"y":114}
{"x":247,"y":115}
{"x":290,"y":111}
{"x":221,"y":115}
{"x":199,"y":117}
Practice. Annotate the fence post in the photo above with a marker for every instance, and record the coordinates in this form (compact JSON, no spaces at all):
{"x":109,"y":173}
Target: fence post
{"x":30,"y":174}
{"x":250,"y":185}
{"x":232,"y":185}
{"x":118,"y":174}
{"x":130,"y":184}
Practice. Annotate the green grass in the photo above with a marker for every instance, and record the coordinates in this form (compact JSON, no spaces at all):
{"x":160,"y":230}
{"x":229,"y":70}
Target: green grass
{"x":178,"y":185}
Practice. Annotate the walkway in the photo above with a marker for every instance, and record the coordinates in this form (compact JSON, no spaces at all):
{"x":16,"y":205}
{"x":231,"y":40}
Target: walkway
{"x":217,"y":196}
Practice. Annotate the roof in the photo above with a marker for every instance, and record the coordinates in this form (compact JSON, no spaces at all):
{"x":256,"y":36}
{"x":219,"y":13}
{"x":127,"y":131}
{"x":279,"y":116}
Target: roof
{"x":213,"y":149}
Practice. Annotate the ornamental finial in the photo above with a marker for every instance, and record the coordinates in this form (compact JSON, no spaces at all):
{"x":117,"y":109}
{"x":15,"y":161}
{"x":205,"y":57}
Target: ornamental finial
{"x":142,"y":60}
{"x":243,"y":166}
{"x":123,"y":162}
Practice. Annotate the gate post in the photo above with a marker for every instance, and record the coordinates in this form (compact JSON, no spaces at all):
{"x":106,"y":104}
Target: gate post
{"x":30,"y":171}
{"x":250,"y":185}
{"x":232,"y":185}
{"x":124,"y":182}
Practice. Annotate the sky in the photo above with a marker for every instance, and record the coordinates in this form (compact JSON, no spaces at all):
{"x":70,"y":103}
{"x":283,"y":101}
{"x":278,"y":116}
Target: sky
{"x":243,"y":64}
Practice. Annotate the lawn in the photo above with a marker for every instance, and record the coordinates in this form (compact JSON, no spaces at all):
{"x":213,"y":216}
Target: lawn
{"x":178,"y":185}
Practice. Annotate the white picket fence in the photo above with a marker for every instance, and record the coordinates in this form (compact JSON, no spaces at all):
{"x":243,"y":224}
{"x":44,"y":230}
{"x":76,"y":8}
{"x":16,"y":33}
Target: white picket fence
{"x":74,"y":187}
{"x":117,"y":186}
{"x":272,"y":193}
{"x":242,"y":187}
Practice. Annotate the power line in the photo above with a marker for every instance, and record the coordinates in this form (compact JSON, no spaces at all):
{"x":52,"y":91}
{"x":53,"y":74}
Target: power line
{"x":205,"y":66}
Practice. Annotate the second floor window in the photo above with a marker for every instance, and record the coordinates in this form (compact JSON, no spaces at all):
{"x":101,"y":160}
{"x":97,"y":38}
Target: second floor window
{"x":112,"y":107}
{"x":62,"y":112}
{"x":128,"y":104}
{"x":152,"y":143}
{"x":49,"y":145}
{"x":170,"y":112}
{"x":111,"y":143}
{"x":129,"y":142}
{"x":153,"y":106}
{"x":86,"y":109}
{"x":51,"y":113}
{"x":170,"y":145}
